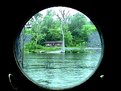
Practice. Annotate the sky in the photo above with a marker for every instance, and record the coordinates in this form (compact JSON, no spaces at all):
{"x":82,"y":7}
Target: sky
{"x":56,"y":9}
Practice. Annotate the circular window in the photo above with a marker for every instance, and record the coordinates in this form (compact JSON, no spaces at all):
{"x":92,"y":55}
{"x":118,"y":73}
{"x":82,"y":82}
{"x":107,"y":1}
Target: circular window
{"x":59,"y":48}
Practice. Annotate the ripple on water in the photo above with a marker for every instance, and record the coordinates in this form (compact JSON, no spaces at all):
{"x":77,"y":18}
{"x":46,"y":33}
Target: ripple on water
{"x":53,"y":72}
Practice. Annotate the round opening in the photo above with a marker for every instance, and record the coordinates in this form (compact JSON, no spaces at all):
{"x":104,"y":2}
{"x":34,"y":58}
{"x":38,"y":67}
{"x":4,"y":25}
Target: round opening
{"x":59,"y":48}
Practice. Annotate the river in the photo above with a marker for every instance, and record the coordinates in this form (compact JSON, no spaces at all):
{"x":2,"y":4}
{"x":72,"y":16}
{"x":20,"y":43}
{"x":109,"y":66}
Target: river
{"x":60,"y":71}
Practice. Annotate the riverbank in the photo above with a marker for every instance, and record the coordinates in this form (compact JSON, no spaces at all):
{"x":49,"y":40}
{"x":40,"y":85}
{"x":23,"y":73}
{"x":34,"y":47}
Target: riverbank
{"x":67,"y":50}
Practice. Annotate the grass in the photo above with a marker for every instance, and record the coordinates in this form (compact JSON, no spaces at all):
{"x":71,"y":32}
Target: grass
{"x":75,"y":51}
{"x":43,"y":49}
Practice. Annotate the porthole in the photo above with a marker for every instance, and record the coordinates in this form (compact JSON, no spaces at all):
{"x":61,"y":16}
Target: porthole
{"x":59,"y":48}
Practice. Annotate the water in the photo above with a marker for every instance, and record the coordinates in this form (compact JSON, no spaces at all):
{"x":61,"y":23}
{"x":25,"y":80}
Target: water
{"x":60,"y":71}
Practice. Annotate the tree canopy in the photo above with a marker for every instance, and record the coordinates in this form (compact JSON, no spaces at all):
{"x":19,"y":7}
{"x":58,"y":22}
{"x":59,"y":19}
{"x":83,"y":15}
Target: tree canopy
{"x":47,"y":27}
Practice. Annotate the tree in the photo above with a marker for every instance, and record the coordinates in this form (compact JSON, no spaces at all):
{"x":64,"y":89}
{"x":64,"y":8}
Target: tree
{"x":77,"y":26}
{"x":63,"y":17}
{"x":68,"y":38}
{"x":73,"y":30}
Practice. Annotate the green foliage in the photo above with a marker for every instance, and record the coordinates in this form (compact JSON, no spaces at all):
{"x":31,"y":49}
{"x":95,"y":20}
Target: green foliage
{"x":75,"y":51}
{"x":34,"y":48}
{"x":68,"y":38}
{"x":46,"y":28}
{"x":88,"y":28}
{"x":27,"y":31}
{"x":76,"y":28}
{"x":50,"y":48}
{"x":54,"y":35}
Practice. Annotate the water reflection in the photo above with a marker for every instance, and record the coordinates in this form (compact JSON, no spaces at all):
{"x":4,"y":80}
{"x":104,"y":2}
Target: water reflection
{"x":60,"y":71}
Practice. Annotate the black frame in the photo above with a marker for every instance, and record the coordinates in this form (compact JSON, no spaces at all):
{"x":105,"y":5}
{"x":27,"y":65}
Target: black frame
{"x":102,"y":14}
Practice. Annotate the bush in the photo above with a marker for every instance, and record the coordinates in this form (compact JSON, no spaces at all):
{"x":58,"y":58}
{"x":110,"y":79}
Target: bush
{"x":74,"y":51}
{"x":32,"y":47}
{"x":51,"y":48}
